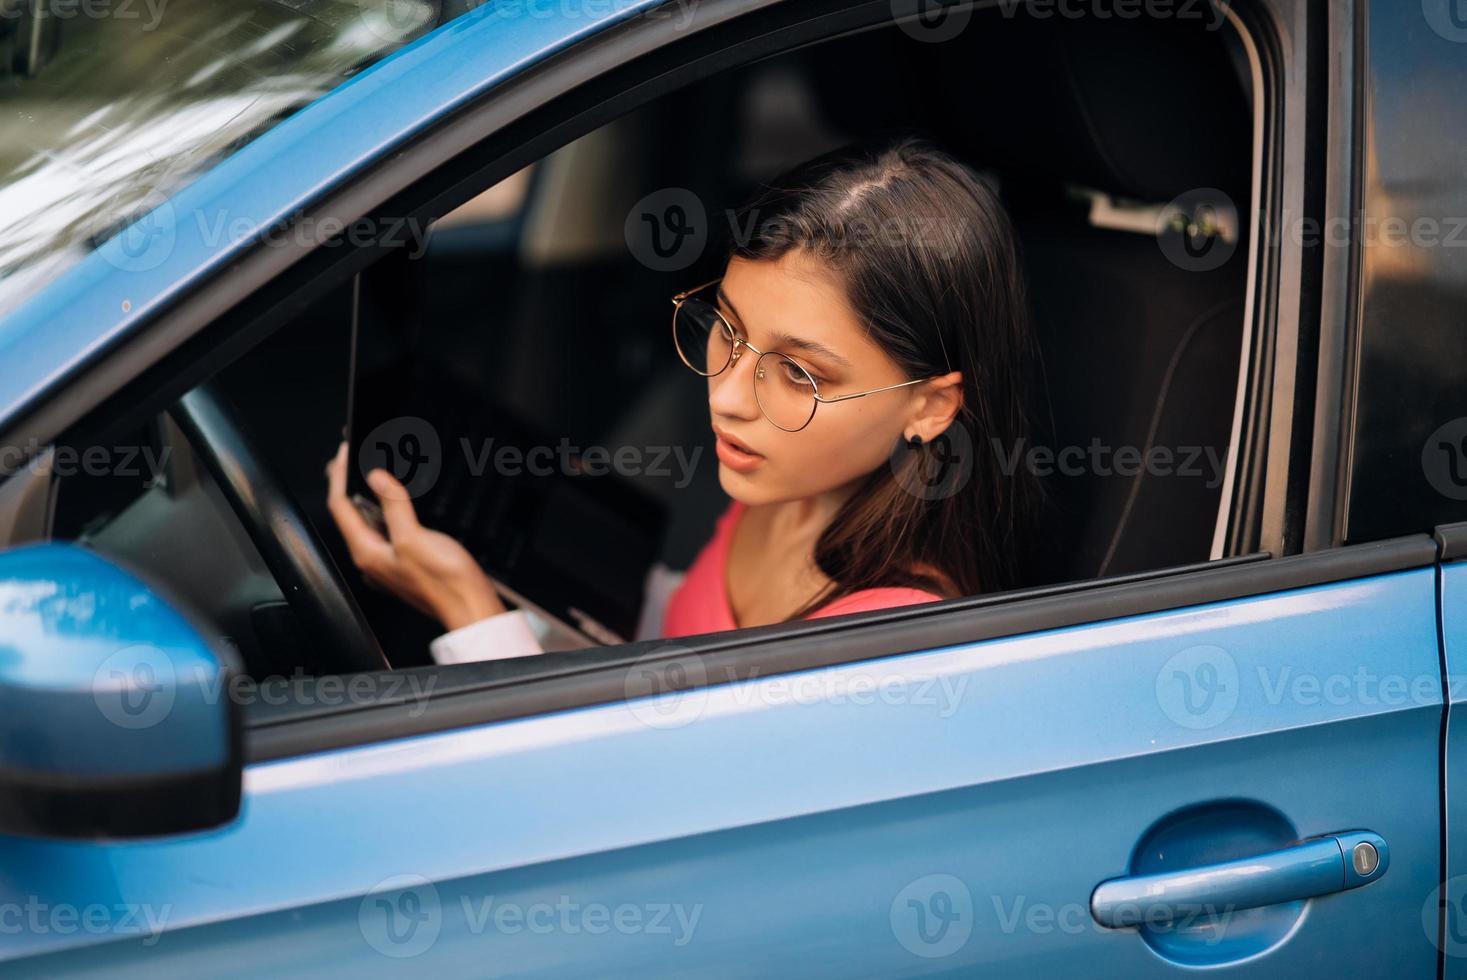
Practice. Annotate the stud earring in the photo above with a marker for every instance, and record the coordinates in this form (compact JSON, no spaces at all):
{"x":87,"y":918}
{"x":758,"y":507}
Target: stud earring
{"x":915,"y":442}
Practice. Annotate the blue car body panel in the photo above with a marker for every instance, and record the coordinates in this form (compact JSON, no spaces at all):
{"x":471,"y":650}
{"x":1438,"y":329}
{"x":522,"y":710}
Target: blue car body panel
{"x":934,"y":813}
{"x":211,"y":220}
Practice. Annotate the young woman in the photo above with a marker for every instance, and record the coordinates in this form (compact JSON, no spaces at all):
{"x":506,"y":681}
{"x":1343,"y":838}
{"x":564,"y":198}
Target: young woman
{"x":868,"y":332}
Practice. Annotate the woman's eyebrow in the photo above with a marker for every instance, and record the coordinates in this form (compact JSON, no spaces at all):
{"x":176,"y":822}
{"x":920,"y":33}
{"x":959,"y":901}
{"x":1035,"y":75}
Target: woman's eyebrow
{"x":729,"y":303}
{"x":784,"y":340}
{"x":781,"y":341}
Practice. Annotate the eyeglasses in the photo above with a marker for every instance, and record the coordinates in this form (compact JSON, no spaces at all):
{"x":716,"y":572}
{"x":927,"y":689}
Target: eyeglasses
{"x":787,"y":394}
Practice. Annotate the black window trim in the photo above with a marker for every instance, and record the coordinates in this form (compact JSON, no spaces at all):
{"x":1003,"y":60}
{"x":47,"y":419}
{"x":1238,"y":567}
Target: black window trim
{"x":1258,"y":492}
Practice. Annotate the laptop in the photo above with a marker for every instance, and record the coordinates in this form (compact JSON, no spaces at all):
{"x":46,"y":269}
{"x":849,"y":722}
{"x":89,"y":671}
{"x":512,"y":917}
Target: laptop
{"x":572,"y":548}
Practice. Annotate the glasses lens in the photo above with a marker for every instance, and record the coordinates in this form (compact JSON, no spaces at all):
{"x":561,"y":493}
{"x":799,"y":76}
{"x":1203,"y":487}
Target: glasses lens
{"x":785,"y":391}
{"x":703,"y":339}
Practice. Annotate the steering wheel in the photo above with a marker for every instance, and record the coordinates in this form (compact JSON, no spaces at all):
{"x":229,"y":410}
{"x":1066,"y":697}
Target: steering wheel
{"x":309,"y":579}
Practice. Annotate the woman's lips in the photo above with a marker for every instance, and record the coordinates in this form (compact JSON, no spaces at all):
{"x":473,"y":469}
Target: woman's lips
{"x":736,"y":459}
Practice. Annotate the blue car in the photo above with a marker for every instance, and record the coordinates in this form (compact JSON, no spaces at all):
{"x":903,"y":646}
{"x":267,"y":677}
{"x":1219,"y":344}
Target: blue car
{"x":1212,"y":728}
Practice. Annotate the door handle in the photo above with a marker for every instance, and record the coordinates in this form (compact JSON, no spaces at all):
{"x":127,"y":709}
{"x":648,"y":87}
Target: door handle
{"x":1312,"y":867}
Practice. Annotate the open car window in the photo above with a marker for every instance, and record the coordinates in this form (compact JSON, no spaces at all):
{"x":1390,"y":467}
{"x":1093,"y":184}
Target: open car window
{"x":541,"y":299}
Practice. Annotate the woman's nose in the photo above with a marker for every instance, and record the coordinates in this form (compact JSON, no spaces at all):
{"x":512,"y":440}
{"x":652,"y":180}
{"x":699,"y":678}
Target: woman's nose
{"x":731,"y":391}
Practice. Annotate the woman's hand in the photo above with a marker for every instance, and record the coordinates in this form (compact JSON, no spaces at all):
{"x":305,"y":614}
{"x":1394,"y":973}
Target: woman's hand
{"x":428,"y":569}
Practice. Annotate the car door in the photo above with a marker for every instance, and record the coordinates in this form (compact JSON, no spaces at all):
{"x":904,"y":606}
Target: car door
{"x":1234,"y":764}
{"x":1232,"y":734}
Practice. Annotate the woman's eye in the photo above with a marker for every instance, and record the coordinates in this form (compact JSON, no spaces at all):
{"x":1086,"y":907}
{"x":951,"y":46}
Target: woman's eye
{"x":795,"y":375}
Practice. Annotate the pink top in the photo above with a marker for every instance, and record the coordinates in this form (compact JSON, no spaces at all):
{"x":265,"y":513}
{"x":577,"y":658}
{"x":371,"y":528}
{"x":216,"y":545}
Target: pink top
{"x":700,"y":604}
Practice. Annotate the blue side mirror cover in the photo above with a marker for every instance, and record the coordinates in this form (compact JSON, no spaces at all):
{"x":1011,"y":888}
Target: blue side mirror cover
{"x":116,"y":719}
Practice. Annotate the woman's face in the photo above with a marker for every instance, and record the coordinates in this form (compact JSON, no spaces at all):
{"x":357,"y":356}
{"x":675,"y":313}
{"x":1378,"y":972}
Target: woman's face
{"x":795,"y":305}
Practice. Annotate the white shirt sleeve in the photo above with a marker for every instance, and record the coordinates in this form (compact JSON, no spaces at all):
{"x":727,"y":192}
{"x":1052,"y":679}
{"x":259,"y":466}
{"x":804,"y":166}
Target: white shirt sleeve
{"x":521,"y":633}
{"x":498,"y":637}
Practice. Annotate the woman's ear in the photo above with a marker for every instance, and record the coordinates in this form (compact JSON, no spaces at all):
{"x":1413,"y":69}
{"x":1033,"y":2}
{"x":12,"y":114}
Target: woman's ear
{"x":936,"y":406}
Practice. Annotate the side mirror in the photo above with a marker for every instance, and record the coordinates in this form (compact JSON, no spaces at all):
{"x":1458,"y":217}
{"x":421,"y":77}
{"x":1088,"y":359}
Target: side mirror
{"x":115,"y":714}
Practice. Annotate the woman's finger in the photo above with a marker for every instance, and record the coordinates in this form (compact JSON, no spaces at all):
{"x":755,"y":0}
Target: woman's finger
{"x":362,"y":540}
{"x":336,"y":473}
{"x":397,"y":506}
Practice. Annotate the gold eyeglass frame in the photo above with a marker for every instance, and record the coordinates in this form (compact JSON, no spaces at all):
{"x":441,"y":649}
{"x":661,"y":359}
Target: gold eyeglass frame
{"x":737,"y":342}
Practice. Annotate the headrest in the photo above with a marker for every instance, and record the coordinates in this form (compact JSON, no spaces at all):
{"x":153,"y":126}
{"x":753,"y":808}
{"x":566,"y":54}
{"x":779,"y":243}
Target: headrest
{"x":1139,"y":107}
{"x":1145,"y":108}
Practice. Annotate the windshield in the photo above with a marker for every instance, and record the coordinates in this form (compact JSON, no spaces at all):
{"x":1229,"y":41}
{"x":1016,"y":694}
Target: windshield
{"x":109,"y":106}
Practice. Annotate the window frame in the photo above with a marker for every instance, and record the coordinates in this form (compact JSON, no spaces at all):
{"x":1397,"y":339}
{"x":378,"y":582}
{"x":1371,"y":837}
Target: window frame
{"x":402,"y":706}
{"x":217,"y":319}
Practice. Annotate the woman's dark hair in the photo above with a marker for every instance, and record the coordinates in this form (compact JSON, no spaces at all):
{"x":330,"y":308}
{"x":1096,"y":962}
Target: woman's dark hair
{"x":927,"y":257}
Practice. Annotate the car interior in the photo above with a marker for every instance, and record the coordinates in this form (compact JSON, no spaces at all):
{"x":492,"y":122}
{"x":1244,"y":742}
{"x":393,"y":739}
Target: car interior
{"x":529,"y":297}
